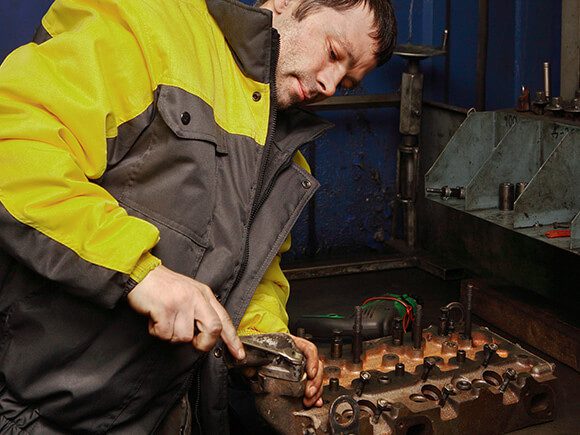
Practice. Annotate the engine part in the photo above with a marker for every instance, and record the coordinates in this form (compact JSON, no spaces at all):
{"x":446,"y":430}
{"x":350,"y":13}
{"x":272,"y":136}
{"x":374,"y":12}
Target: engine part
{"x":506,"y":196}
{"x":448,"y":192}
{"x":400,"y":369}
{"x":520,"y":187}
{"x":357,"y":335}
{"x":418,"y":328}
{"x":397,"y":331}
{"x":279,"y":364}
{"x":509,"y":375}
{"x":414,"y":406}
{"x":336,"y":349}
{"x":428,"y":364}
{"x":443,"y":320}
{"x":363,"y":379}
{"x":539,"y":103}
{"x":547,"y":80}
{"x":489,"y":350}
{"x":555,"y":107}
{"x":524,"y":100}
{"x":468,"y":308}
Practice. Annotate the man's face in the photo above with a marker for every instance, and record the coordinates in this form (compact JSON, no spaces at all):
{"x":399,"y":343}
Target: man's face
{"x":326,"y":49}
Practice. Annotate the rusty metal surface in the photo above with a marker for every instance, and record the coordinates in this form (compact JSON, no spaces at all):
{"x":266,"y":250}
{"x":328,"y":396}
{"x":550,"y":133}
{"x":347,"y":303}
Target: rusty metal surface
{"x":476,"y":404}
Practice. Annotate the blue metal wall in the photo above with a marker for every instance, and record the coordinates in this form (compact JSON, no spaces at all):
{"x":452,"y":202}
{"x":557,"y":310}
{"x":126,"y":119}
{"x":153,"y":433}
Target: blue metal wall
{"x":356,"y":161}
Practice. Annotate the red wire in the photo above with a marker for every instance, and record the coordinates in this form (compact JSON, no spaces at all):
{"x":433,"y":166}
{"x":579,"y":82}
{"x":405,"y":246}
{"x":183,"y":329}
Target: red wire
{"x":407,"y":318}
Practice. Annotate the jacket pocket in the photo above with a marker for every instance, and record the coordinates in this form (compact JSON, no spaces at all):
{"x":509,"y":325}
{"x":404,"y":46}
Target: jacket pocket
{"x":173,"y":179}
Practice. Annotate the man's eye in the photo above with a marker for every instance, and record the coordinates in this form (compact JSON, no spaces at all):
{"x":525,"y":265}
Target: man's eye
{"x":333,"y":55}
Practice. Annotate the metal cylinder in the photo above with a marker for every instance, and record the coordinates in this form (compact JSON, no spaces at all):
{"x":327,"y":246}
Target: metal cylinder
{"x":336,"y":346}
{"x":300,"y":332}
{"x":506,"y":196}
{"x":397,"y":331}
{"x":520,"y":188}
{"x":443,"y":319}
{"x":468,"y":304}
{"x":400,"y":369}
{"x":460,"y":356}
{"x":333,"y":384}
{"x":418,"y":327}
{"x":547,"y":79}
{"x":357,"y":335}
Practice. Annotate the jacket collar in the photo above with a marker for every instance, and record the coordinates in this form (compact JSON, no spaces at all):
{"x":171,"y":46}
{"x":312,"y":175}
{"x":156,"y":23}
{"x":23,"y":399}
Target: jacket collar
{"x":248,"y":31}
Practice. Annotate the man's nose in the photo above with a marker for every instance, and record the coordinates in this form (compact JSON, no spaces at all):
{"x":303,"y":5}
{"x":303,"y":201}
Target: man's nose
{"x":328,"y":80}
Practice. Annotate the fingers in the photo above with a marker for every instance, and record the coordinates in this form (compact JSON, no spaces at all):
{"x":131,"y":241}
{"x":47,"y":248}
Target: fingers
{"x":228,"y":333}
{"x":314,"y":372}
{"x":208,"y":324}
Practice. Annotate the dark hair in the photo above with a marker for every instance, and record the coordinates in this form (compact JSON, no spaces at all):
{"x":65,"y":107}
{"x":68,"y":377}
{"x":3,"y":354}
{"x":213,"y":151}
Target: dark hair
{"x":384,"y":22}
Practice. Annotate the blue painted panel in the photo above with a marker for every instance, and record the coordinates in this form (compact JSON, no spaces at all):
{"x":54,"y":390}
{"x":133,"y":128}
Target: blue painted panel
{"x":18,"y":22}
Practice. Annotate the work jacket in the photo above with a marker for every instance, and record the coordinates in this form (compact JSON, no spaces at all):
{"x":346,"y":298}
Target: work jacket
{"x":134,"y":132}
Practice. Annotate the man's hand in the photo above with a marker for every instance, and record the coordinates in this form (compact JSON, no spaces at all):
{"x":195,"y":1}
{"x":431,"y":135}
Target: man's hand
{"x":313,"y":371}
{"x":181,"y":309}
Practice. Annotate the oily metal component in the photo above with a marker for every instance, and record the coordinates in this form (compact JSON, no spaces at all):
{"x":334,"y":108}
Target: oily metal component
{"x":418,"y":327}
{"x":555,"y":107}
{"x":524,"y":100}
{"x":357,"y":335}
{"x":448,"y":192}
{"x":400,"y":370}
{"x":339,"y":427}
{"x":489,"y":350}
{"x":428,"y":364}
{"x":443,"y":321}
{"x":509,"y":376}
{"x":363,"y":379}
{"x":336,"y":347}
{"x":506,"y":196}
{"x":520,"y":187}
{"x":398,"y":331}
{"x":280,"y":366}
{"x":460,"y":356}
{"x":468,"y":308}
{"x":547,"y":79}
{"x":539,"y":103}
{"x":415,"y":406}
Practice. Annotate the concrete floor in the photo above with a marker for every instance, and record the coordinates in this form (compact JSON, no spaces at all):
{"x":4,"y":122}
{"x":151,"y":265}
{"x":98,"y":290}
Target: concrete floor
{"x":339,"y":294}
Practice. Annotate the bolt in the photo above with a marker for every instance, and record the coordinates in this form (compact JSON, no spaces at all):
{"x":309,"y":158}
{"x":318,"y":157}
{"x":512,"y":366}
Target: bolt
{"x":428,"y":364}
{"x":382,"y":406}
{"x":300,"y":332}
{"x":397,"y":331}
{"x":357,"y":335}
{"x":400,"y":369}
{"x":509,"y":375}
{"x":460,"y":357}
{"x":333,"y":384}
{"x":363,"y":378}
{"x":443,"y":319}
{"x":447,"y":390}
{"x":489,"y":351}
{"x":450,"y":327}
{"x":418,"y":327}
{"x":336,"y":348}
{"x":468,"y":304}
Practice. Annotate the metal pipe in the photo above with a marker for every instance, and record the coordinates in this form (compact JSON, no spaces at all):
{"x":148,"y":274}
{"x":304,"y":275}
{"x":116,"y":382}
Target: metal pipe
{"x":468,"y":304}
{"x":547,"y":80}
{"x":357,"y":335}
{"x":418,"y":327}
{"x":482,"y":41}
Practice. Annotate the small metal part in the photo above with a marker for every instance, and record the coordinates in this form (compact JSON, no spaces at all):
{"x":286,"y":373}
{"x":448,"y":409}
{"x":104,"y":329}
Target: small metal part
{"x":333,"y":384}
{"x":308,"y":336}
{"x":418,"y":327}
{"x":489,"y":351}
{"x":450,"y":326}
{"x":363,"y":379}
{"x":397,"y":331}
{"x":509,"y":376}
{"x":443,"y":319}
{"x":460,"y":356}
{"x":446,"y":391}
{"x":555,"y":106}
{"x":300,"y":332}
{"x":468,"y":306}
{"x":357,"y":335}
{"x":382,"y":406}
{"x":506,"y":196}
{"x":445,"y":40}
{"x":547,"y":79}
{"x":428,"y":364}
{"x":349,"y":427}
{"x":400,"y":370}
{"x":524,"y":100}
{"x":336,"y":346}
{"x":448,"y":192}
{"x":390,"y":359}
{"x":573,"y":108}
{"x":539,"y":103}
{"x":520,"y":187}
{"x":562,"y":225}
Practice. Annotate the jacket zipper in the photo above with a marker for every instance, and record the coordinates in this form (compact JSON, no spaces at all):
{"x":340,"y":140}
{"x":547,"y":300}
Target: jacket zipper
{"x":259,"y":201}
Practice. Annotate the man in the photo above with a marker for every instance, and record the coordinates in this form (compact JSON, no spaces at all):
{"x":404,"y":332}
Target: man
{"x":149,"y":182}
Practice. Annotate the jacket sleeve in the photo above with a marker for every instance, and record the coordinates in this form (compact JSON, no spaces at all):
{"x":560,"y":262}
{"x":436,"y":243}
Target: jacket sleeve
{"x":60,"y":103}
{"x":267,"y":310}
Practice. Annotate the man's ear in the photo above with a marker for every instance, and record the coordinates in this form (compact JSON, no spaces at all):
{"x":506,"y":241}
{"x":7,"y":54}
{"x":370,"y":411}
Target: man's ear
{"x":281,"y":5}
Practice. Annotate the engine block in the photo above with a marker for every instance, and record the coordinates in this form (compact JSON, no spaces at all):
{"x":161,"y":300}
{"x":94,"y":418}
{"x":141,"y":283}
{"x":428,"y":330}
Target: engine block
{"x":447,"y":385}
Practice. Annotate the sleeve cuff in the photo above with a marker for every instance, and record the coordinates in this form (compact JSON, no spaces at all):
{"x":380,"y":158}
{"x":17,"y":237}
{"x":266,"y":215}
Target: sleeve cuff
{"x":146,"y":264}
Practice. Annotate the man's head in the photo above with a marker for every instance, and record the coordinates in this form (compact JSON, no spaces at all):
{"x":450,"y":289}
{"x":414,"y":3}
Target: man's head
{"x":328,"y":43}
